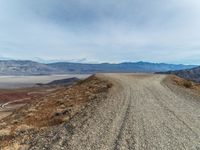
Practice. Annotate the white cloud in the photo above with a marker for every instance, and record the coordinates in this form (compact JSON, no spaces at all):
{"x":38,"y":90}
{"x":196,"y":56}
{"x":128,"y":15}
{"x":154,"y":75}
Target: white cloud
{"x":112,"y":30}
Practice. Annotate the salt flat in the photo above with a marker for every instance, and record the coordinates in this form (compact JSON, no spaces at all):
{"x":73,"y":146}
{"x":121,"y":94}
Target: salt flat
{"x":11,"y":82}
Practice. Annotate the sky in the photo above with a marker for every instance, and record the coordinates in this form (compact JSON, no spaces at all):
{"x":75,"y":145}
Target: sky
{"x":101,"y":30}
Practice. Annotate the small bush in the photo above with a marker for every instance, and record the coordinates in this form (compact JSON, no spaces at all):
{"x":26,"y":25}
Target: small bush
{"x":109,"y":85}
{"x":187,"y":84}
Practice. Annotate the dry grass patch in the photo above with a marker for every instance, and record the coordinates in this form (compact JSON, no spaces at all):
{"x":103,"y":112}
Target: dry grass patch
{"x":185,"y":83}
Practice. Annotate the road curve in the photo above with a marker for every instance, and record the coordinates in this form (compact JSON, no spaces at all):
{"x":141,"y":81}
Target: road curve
{"x":3,"y":106}
{"x":141,"y":112}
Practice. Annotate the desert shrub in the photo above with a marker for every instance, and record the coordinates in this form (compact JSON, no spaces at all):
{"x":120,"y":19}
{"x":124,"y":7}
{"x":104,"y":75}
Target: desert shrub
{"x":109,"y":85}
{"x":187,"y":84}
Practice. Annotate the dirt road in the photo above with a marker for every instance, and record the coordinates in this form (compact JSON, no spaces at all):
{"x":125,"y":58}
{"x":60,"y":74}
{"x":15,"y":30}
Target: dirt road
{"x":141,"y":112}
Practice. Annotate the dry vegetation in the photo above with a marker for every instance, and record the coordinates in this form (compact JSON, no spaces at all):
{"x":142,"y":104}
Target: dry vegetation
{"x":50,"y":110}
{"x":185,"y":83}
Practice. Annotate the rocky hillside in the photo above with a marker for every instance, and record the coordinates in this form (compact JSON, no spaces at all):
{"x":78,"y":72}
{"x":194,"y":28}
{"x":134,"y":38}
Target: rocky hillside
{"x":190,"y":74}
{"x":35,"y":125}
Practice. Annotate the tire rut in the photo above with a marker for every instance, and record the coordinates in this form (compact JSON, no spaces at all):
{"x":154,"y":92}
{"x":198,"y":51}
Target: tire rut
{"x":122,"y":128}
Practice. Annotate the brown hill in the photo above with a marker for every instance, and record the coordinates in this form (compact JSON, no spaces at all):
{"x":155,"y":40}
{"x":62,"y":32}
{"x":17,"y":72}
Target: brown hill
{"x":24,"y":126}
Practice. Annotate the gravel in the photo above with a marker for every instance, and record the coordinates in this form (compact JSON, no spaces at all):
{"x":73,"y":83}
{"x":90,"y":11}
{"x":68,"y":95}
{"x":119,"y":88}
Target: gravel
{"x":141,"y":112}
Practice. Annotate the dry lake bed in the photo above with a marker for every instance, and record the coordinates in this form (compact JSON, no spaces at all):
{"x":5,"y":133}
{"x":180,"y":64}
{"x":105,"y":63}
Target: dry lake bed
{"x":11,"y":82}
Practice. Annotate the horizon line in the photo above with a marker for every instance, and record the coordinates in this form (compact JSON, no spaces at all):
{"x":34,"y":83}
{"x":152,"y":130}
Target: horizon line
{"x":68,"y":61}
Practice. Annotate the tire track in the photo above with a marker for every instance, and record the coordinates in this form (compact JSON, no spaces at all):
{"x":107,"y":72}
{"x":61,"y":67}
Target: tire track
{"x":3,"y":106}
{"x":122,"y":127}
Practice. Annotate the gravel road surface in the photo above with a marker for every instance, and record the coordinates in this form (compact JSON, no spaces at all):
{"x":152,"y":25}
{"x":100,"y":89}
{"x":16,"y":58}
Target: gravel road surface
{"x":141,"y":112}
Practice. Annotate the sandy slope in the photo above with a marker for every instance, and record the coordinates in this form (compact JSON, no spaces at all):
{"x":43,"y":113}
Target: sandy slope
{"x":141,"y":112}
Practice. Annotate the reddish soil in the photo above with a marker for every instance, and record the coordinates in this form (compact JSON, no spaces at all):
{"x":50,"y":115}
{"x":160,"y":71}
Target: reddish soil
{"x":12,"y":95}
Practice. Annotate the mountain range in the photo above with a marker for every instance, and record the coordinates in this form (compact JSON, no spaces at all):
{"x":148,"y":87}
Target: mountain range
{"x":26,"y":67}
{"x":121,"y":67}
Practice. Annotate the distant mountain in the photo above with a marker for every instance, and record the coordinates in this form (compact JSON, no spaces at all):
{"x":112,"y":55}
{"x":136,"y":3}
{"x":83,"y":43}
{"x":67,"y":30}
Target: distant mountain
{"x":18,"y":67}
{"x":122,"y":67}
{"x":62,"y":82}
{"x":15,"y":67}
{"x":191,"y":74}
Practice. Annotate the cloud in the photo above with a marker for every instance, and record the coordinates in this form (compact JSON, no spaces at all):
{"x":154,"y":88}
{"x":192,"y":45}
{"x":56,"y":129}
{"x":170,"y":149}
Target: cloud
{"x":112,"y":30}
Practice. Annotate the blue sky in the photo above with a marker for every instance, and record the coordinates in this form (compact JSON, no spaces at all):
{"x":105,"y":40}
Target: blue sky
{"x":101,"y":30}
